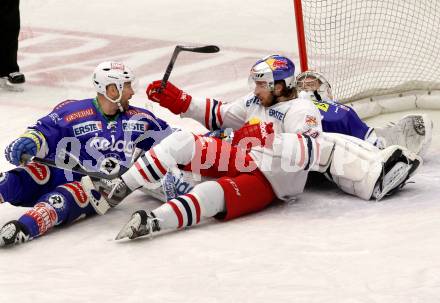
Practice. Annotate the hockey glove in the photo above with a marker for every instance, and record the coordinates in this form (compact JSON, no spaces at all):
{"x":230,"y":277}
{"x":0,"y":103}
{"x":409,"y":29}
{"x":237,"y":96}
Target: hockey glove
{"x":171,"y":97}
{"x":27,"y":143}
{"x":262,"y":131}
{"x":224,"y":134}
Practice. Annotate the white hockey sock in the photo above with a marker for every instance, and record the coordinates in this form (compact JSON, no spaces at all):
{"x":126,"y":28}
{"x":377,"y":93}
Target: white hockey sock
{"x":205,"y":200}
{"x":148,"y":170}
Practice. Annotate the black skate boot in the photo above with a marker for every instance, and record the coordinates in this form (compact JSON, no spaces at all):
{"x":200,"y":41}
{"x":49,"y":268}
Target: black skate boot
{"x":13,"y":82}
{"x":12,"y":233}
{"x":141,"y":223}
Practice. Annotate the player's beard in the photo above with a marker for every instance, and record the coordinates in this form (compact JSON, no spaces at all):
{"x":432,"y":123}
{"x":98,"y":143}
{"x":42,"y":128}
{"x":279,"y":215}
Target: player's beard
{"x":268,"y":101}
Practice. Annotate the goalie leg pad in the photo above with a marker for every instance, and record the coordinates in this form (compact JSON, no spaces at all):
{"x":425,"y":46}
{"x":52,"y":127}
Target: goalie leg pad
{"x":355,"y":166}
{"x":398,"y":168}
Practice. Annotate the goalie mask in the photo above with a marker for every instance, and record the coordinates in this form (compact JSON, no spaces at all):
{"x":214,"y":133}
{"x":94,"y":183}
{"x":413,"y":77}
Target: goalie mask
{"x":270,"y":69}
{"x":311,"y":81}
{"x":107,"y":73}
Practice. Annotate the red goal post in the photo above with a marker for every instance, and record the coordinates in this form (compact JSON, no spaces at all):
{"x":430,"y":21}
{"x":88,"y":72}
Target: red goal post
{"x":372,"y":48}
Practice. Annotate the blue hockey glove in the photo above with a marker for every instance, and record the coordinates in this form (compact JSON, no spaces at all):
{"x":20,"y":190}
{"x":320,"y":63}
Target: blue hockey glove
{"x":23,"y":145}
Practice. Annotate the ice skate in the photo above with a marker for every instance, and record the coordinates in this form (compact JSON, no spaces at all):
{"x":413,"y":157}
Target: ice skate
{"x":104,"y":194}
{"x":12,"y":233}
{"x":399,"y":167}
{"x":113,"y":191}
{"x":140,"y":224}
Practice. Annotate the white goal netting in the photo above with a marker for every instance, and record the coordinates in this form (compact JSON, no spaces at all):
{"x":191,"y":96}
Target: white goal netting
{"x":374,"y":47}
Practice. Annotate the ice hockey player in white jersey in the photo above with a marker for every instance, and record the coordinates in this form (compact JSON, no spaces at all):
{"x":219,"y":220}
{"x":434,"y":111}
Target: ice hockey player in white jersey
{"x":353,"y":165}
{"x":272,"y":150}
{"x":380,"y":173}
{"x":412,"y":131}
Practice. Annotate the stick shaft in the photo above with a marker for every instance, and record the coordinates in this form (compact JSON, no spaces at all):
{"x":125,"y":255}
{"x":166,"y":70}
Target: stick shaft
{"x":61,"y":165}
{"x":200,"y":49}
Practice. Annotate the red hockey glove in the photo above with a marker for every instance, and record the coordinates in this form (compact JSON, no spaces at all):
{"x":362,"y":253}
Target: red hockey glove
{"x":263,"y":131}
{"x":171,"y":97}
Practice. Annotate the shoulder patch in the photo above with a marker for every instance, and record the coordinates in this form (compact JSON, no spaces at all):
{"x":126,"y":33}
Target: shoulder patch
{"x":311,"y":121}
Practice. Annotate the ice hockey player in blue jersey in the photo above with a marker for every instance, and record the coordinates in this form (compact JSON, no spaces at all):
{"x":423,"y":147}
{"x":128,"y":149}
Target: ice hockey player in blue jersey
{"x":411,"y":131}
{"x":102,"y":133}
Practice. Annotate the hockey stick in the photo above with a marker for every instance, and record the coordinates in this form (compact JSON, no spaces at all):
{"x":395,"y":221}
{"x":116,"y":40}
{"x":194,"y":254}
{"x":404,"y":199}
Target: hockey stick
{"x":198,"y":49}
{"x":78,"y":167}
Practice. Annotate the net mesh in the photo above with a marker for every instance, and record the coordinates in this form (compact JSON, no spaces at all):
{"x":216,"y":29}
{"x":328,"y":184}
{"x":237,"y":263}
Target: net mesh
{"x":374,"y":47}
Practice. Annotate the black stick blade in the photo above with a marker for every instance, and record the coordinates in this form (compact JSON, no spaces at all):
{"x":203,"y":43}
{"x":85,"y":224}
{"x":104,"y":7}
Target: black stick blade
{"x":201,"y":49}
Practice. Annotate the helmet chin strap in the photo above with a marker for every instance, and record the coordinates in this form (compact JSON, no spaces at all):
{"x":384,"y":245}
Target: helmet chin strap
{"x":117,"y":101}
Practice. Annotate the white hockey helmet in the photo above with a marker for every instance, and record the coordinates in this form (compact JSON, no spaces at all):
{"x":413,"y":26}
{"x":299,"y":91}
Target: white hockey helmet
{"x":273,"y":68}
{"x":109,"y":72}
{"x":314,"y":81}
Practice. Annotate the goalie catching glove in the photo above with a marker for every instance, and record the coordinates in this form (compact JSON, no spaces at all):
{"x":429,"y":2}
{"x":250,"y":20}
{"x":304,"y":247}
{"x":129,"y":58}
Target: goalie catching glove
{"x":171,"y":97}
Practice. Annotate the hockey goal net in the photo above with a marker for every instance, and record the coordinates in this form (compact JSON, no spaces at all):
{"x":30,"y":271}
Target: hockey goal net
{"x":369,"y":48}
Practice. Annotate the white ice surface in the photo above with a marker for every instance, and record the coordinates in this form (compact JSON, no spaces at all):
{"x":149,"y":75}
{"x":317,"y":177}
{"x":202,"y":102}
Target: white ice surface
{"x":326,"y":247}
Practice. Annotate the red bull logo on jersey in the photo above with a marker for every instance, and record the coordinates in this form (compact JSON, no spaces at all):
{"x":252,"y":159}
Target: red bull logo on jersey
{"x":276,"y":64}
{"x":87,"y":128}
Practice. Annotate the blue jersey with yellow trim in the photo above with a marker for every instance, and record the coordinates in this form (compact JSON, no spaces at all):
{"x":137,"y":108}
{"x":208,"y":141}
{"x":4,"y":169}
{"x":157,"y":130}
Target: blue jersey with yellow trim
{"x":339,"y":118}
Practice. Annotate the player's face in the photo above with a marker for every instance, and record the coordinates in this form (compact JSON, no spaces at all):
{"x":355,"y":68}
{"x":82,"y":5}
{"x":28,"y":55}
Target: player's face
{"x":309,"y":84}
{"x":263,"y":92}
{"x":127,"y":93}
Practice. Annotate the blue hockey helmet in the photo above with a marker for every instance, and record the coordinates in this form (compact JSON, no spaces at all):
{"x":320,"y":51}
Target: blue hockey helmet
{"x":273,"y":68}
